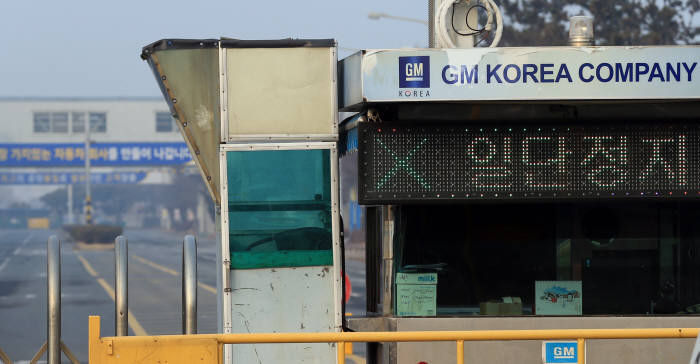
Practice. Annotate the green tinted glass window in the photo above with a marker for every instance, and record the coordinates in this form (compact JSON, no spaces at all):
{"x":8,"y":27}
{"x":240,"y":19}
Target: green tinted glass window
{"x":279,"y":208}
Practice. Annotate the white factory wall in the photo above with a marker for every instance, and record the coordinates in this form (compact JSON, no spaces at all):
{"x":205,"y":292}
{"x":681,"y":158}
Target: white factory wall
{"x":128,"y":120}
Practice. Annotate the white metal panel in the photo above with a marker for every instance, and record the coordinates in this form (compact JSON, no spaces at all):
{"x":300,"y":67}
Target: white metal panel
{"x":555,"y":73}
{"x":296,"y":299}
{"x":281,"y":93}
{"x":350,"y":73}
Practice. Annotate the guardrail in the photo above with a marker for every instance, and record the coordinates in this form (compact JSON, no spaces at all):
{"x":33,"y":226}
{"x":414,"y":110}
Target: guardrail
{"x":207,"y":348}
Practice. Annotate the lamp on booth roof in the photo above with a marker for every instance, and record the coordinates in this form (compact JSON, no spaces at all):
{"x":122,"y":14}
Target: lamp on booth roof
{"x":581,"y":31}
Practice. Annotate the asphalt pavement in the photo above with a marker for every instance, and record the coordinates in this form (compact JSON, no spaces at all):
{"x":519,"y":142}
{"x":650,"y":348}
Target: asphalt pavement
{"x":87,"y":282}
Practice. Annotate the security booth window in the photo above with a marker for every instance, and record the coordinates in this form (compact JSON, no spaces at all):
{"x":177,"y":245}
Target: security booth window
{"x":279,"y":205}
{"x":566,"y":258}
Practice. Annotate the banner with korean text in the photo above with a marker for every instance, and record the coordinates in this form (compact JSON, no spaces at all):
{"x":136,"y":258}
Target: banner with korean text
{"x":101,"y":154}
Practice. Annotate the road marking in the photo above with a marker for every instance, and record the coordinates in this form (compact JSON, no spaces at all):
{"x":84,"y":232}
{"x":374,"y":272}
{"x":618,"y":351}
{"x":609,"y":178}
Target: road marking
{"x":171,"y":272}
{"x":207,"y":287}
{"x":87,"y":265}
{"x":355,"y":358}
{"x":7,"y":260}
{"x":4,"y":263}
{"x":134,"y":324}
{"x":156,"y":265}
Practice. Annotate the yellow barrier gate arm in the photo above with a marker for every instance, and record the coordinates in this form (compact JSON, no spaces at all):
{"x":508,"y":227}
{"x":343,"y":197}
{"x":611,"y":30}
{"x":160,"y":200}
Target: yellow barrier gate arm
{"x":207,"y":348}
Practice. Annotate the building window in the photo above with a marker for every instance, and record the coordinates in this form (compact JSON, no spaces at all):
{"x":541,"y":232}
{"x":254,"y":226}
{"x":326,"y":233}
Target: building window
{"x":47,"y":122}
{"x":59,"y":122}
{"x":78,"y":122}
{"x":98,"y":122}
{"x":164,"y":122}
{"x":42,"y":122}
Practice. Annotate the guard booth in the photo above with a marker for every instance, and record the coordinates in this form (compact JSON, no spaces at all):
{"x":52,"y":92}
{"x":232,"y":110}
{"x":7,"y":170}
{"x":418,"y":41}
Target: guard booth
{"x":526,"y":188}
{"x":260,"y":119}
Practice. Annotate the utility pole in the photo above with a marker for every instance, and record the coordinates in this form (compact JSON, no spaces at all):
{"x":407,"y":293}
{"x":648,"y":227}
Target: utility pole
{"x":70,"y":203}
{"x":88,"y":199}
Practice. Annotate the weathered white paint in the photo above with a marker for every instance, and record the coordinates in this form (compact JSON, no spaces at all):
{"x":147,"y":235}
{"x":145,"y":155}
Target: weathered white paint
{"x":283,"y":300}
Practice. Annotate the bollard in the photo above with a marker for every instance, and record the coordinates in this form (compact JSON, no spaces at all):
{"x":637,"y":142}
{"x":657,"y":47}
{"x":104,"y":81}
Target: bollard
{"x":189,"y":285}
{"x":121,"y":283}
{"x":53,"y":273}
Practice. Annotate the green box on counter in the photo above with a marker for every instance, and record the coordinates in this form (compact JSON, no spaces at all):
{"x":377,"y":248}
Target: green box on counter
{"x":416,"y":294}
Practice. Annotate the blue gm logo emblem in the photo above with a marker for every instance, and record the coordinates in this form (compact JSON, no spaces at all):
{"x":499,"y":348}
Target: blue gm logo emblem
{"x":414,"y":72}
{"x":560,"y":352}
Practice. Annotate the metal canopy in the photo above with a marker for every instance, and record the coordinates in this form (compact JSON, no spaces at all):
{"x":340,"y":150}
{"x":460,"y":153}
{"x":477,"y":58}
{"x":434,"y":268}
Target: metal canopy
{"x":187,"y":73}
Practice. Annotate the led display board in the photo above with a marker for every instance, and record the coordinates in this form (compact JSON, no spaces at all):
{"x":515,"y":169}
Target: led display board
{"x":510,"y":162}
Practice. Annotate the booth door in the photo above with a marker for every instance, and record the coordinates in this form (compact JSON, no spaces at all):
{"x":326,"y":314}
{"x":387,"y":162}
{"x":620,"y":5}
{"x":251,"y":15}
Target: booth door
{"x":282,"y":234}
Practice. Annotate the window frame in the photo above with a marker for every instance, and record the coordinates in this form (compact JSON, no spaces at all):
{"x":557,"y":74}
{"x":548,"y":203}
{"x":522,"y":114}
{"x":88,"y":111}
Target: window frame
{"x":73,"y":118}
{"x":334,"y":184}
{"x":89,"y":115}
{"x":34,"y":122}
{"x":53,"y":117}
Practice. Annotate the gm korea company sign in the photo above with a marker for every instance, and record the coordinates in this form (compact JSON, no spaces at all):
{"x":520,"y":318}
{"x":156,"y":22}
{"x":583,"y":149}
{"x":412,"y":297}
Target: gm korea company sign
{"x":545,"y":73}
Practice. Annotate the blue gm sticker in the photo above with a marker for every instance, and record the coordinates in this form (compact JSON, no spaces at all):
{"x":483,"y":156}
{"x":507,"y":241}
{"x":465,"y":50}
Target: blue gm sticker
{"x":414,"y":72}
{"x":560,"y":352}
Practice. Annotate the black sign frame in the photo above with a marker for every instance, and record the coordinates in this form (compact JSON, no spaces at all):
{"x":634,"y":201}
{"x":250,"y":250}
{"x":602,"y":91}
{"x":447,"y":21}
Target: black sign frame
{"x":654,"y":139}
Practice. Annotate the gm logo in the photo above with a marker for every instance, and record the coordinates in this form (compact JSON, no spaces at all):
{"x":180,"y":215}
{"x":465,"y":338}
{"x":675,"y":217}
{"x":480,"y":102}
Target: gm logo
{"x":560,"y":352}
{"x":414,"y":72}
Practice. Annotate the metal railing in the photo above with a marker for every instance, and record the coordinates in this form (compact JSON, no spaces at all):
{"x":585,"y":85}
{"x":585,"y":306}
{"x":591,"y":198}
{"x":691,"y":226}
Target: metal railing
{"x":53,"y":346}
{"x":189,"y":285}
{"x":207,"y":348}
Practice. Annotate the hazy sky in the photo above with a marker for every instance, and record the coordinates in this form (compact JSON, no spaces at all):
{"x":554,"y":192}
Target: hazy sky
{"x":91,"y":48}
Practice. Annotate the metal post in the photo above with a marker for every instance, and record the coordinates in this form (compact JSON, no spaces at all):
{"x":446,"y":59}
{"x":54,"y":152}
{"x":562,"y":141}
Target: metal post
{"x":341,"y":352}
{"x":581,"y":351}
{"x":387,"y":268}
{"x":189,"y":285}
{"x":460,"y":351}
{"x":88,"y":197}
{"x":53,"y":273}
{"x":121,"y":283}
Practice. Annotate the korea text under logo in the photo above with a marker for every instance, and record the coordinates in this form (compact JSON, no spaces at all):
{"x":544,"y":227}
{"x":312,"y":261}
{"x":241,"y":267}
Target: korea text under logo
{"x":414,"y":72}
